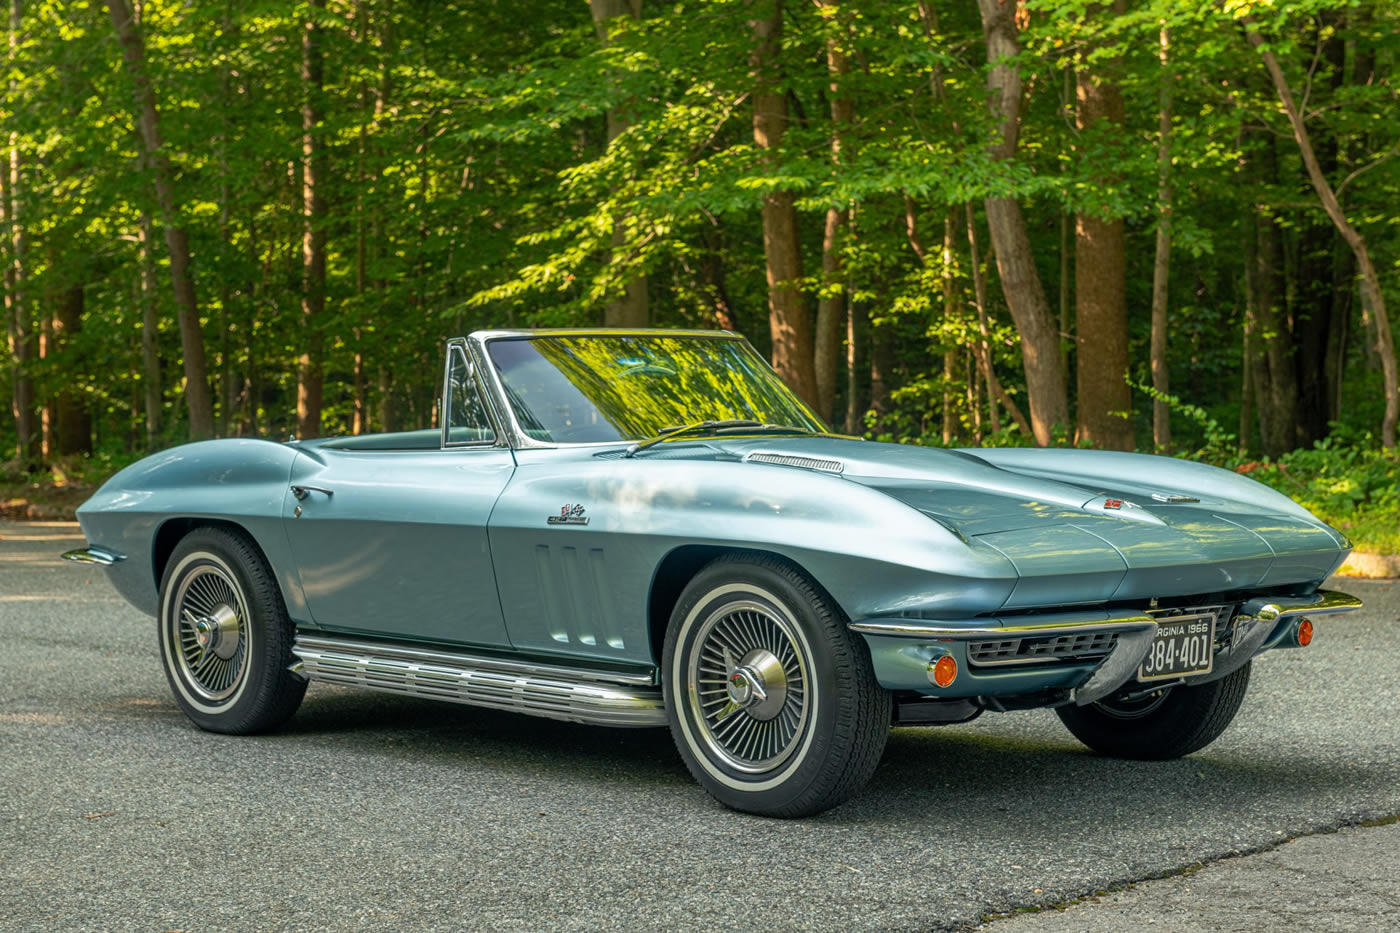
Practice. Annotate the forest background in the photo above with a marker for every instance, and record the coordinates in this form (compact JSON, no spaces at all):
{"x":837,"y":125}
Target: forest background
{"x":1162,"y":225}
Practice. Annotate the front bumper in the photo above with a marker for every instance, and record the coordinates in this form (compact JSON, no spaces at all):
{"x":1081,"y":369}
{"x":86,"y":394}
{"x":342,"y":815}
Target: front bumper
{"x":1087,"y":654}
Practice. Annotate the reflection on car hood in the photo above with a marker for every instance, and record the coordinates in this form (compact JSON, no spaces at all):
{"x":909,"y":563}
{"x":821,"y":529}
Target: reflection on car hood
{"x":1056,"y":511}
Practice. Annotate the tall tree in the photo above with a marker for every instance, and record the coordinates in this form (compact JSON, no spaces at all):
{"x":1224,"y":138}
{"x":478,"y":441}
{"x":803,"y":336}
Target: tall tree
{"x":1161,"y":263}
{"x":18,"y":316}
{"x":310,"y":377}
{"x":788,"y":320}
{"x":1020,"y":282}
{"x":1270,"y":355}
{"x":150,"y":332}
{"x":630,"y":308}
{"x":1100,"y":272}
{"x":197,"y":395}
{"x":831,"y":305}
{"x":1372,"y":298}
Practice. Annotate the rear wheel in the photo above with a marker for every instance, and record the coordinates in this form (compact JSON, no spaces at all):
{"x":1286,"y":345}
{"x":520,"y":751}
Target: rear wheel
{"x":1166,"y":723}
{"x":225,"y":637}
{"x":771,"y":699}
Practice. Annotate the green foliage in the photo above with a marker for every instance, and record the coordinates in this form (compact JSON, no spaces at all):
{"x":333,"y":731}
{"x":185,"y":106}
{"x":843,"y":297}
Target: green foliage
{"x":1347,"y":482}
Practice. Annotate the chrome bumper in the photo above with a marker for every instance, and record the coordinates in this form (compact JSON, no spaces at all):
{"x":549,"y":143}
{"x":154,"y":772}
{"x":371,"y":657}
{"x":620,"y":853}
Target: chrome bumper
{"x":93,"y":555}
{"x":1255,"y":623}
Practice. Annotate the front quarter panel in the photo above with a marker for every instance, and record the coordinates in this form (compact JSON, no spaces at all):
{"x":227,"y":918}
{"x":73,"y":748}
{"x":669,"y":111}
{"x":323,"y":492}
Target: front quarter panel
{"x":584,"y":588}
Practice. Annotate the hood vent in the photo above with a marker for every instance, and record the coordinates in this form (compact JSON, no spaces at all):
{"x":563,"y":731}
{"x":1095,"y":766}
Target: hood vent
{"x":806,"y":463}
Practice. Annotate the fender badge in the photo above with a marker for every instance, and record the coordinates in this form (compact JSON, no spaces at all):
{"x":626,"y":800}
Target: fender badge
{"x":569,"y":515}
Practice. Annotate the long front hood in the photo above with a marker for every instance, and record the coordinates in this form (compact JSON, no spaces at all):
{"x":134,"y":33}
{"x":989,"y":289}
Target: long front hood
{"x":1091,"y":526}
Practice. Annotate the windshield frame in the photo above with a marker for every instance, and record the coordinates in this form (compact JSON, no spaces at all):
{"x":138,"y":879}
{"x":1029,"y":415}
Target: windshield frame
{"x":518,"y":439}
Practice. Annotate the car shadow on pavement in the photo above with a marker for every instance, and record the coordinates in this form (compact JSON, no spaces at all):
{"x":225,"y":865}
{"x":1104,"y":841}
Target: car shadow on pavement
{"x":928,"y":776}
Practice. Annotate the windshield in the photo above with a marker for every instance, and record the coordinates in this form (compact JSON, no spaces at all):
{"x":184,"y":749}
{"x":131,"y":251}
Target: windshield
{"x":593,"y":388}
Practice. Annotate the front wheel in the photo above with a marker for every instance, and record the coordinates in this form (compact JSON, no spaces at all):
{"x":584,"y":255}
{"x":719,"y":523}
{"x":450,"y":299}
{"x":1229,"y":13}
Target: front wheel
{"x":771,"y":699}
{"x":1166,"y":723}
{"x":225,"y":638}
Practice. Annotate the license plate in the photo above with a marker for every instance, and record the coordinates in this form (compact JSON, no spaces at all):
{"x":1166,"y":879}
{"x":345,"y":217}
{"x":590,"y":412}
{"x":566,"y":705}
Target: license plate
{"x":1184,"y":646}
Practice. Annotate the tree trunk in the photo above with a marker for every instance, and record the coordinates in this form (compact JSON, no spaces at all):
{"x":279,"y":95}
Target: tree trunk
{"x":18,"y":318}
{"x":712,"y":284}
{"x":831,"y":304}
{"x":1020,"y":282}
{"x":1271,"y":360}
{"x":72,"y":428}
{"x":150,"y":334}
{"x":983,"y":348}
{"x":881,"y":369}
{"x":1371,"y":297}
{"x":630,"y":308}
{"x":1161,"y":264}
{"x":788,"y":318}
{"x":949,"y":281}
{"x":857,"y":365}
{"x":1100,"y":292}
{"x":313,"y":243}
{"x":197,"y":395}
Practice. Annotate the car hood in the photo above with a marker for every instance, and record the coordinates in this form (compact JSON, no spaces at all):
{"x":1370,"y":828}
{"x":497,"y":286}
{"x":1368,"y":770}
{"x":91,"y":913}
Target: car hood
{"x":1146,"y":524}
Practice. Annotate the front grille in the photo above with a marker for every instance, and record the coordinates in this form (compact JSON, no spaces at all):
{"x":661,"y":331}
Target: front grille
{"x":1086,"y":646}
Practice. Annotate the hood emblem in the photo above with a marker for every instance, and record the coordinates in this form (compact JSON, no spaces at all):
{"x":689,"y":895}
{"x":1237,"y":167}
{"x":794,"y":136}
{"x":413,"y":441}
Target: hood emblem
{"x":1173,"y":497}
{"x":569,"y":515}
{"x":1113,"y":503}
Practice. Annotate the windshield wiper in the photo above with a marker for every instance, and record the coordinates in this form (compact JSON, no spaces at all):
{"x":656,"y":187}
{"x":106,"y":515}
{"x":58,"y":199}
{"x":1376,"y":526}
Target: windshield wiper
{"x":703,"y":427}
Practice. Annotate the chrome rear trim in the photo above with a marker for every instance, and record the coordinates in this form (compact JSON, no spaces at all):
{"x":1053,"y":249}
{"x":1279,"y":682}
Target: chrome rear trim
{"x":93,"y":555}
{"x":601,"y":698}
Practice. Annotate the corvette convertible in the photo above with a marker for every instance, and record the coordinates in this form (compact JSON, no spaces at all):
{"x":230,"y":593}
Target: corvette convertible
{"x":647,"y":528}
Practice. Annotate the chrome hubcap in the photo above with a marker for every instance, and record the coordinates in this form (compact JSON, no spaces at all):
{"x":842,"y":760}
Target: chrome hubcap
{"x":748,"y":695}
{"x":211,"y":632}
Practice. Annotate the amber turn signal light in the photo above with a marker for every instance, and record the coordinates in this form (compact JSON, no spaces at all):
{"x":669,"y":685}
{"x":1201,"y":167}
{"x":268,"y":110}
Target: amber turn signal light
{"x":1303,"y":634}
{"x":945,"y":671}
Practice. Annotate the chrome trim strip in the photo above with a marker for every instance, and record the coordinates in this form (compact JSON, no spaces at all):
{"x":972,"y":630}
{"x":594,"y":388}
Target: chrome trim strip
{"x":1321,"y":603}
{"x":604,"y":698}
{"x":93,"y":555}
{"x":1068,"y":624}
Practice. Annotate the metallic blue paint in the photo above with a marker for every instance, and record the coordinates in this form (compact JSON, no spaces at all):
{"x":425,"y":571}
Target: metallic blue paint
{"x":453,"y":546}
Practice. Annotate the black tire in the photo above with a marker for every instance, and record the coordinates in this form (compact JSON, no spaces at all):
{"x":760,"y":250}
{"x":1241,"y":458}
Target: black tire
{"x":225,"y":637}
{"x":1173,"y":722}
{"x":807,"y":733}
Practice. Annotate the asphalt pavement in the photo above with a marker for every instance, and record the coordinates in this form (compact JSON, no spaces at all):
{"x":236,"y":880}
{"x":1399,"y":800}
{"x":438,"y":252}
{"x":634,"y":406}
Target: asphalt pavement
{"x":372,"y":811}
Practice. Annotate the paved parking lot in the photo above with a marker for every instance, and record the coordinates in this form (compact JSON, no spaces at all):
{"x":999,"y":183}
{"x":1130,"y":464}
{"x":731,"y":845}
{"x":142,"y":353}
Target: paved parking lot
{"x":373,"y":811}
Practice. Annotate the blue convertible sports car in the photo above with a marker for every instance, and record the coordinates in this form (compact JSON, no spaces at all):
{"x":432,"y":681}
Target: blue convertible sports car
{"x":646,"y":528}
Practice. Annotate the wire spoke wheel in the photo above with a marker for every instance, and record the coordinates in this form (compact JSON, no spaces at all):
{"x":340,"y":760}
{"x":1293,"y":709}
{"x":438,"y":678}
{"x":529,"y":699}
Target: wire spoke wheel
{"x":749,"y":693}
{"x":209,"y":631}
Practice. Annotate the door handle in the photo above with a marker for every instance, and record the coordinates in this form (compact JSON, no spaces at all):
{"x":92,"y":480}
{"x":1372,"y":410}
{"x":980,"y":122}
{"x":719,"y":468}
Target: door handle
{"x":301,"y":491}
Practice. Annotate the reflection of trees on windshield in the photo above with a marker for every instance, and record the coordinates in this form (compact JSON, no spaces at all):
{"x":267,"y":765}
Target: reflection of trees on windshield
{"x":632,"y":386}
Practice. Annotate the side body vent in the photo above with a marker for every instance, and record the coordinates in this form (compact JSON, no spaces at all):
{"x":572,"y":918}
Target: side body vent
{"x":806,"y":463}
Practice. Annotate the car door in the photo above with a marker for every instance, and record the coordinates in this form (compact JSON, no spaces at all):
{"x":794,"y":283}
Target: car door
{"x":390,"y":540}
